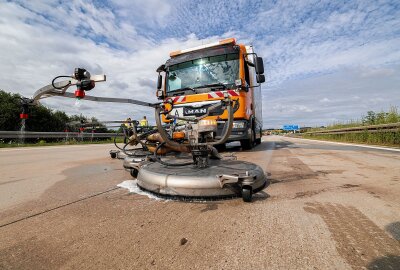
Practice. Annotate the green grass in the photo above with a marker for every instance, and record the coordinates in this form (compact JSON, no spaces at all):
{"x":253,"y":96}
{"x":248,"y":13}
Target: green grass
{"x":371,"y":118}
{"x":385,"y":138}
{"x":377,"y":138}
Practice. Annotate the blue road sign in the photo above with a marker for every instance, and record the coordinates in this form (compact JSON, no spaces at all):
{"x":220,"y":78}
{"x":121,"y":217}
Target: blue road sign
{"x":290,"y":127}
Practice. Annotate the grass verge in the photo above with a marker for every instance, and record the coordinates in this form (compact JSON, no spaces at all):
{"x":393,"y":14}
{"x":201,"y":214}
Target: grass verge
{"x":377,"y":138}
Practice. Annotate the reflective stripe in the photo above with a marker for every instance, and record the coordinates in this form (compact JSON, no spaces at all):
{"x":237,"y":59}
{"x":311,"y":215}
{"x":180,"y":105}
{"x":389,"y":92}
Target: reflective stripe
{"x":233,"y":93}
{"x":179,"y":99}
{"x":215,"y":94}
{"x":210,"y":95}
{"x":220,"y":94}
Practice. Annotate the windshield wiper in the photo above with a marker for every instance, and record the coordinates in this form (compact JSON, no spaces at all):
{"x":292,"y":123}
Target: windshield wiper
{"x":183,"y":89}
{"x":212,"y":85}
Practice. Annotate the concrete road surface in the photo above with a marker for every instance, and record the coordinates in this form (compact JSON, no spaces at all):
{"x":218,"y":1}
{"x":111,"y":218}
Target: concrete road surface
{"x":329,"y":207}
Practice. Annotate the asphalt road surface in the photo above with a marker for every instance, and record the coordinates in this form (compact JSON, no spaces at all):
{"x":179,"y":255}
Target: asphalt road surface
{"x":329,"y":206}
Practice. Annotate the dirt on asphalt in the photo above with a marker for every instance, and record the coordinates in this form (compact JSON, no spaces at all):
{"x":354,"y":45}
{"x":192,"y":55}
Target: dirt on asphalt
{"x":328,"y":207}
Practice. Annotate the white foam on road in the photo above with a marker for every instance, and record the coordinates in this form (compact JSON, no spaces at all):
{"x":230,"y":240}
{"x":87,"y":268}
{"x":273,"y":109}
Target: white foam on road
{"x":132,"y":186}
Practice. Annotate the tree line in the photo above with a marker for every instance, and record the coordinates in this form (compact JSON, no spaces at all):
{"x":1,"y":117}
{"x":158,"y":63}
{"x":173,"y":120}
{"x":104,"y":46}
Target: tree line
{"x":40,"y":118}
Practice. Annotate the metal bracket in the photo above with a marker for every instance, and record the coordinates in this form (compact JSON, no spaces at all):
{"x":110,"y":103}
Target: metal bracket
{"x":245,"y":179}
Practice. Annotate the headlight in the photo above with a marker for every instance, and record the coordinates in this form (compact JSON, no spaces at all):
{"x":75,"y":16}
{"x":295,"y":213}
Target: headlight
{"x":239,"y":124}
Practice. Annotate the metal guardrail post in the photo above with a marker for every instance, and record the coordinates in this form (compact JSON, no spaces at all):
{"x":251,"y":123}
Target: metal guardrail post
{"x":66,"y":135}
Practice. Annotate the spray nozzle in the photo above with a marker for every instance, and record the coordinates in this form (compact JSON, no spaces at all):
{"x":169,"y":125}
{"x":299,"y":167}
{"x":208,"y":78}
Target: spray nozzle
{"x":25,"y":108}
{"x":84,"y":82}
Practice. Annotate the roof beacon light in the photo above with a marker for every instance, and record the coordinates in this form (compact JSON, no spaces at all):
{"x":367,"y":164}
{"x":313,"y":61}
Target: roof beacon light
{"x":209,"y":45}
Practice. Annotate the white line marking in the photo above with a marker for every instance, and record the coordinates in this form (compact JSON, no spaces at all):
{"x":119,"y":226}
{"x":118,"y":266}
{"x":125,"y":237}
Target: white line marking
{"x":352,"y":144}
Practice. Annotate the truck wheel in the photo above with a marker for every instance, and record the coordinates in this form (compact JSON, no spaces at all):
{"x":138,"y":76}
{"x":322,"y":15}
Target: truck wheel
{"x":220,"y":147}
{"x":249,"y":143}
{"x":258,"y":141}
{"x":113,"y":155}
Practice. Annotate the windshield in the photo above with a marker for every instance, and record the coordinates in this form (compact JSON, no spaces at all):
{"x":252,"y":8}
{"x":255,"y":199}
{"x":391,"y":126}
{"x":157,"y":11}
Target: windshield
{"x":221,"y":69}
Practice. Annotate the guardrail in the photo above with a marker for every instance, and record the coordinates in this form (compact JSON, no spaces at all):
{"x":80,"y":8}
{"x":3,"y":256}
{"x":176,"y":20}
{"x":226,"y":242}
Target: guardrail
{"x":394,"y":127}
{"x":63,"y":135}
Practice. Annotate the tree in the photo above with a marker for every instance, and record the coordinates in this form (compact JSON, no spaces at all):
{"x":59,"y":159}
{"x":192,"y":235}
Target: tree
{"x":10,"y":108}
{"x":370,"y":118}
{"x":40,"y":118}
{"x":393,"y":116}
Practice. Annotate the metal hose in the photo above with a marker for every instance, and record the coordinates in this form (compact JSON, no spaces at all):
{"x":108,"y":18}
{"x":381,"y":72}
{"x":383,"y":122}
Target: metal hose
{"x":158,"y":159}
{"x":226,"y":131}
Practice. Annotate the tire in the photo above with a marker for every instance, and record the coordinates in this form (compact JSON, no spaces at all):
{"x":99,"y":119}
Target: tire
{"x":134,"y":173}
{"x":113,"y":155}
{"x":220,"y":147}
{"x":249,"y":143}
{"x":247,"y":194}
{"x":258,"y":141}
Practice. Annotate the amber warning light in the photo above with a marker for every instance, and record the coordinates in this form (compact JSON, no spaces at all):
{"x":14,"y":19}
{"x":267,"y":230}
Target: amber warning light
{"x":221,"y":42}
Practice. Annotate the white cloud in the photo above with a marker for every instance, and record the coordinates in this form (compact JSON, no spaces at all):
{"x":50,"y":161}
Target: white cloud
{"x":150,"y":12}
{"x":324,"y":100}
{"x":329,"y":98}
{"x":325,"y":61}
{"x":34,"y":54}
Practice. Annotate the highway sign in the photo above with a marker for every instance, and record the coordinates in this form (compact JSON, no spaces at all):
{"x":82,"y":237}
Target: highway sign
{"x":290,"y":127}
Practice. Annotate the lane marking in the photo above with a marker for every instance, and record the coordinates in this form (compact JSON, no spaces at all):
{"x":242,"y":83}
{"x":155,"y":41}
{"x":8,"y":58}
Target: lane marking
{"x":50,"y":147}
{"x":351,"y":144}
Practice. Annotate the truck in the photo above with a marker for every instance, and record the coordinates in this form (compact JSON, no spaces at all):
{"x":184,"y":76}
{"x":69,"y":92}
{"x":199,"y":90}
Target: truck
{"x":196,"y":78}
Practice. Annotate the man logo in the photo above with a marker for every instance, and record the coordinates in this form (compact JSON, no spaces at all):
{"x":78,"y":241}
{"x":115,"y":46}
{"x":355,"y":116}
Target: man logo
{"x":194,"y":111}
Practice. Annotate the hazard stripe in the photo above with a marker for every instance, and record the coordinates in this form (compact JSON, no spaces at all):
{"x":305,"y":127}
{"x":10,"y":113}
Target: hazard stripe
{"x":212,"y":95}
{"x":233,"y":93}
{"x":179,"y":99}
{"x":217,"y":94}
{"x":220,"y":94}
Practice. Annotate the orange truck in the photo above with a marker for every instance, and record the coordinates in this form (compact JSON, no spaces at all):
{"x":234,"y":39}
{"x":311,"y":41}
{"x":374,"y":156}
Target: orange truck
{"x":195,"y":79}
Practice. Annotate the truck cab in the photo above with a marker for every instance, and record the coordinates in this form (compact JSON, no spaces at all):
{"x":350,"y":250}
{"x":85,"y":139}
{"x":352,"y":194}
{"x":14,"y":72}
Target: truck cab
{"x":195,"y":79}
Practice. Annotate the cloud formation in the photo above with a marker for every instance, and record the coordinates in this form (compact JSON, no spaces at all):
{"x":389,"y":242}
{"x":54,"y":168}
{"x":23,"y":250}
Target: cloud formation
{"x":325,"y":61}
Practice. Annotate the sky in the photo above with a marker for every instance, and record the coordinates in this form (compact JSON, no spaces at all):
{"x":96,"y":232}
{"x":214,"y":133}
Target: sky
{"x":325,"y":61}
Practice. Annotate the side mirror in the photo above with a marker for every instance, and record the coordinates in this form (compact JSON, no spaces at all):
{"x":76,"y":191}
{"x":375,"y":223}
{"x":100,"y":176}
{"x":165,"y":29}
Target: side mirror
{"x":161,"y":68}
{"x":259,"y":65}
{"x":160,"y":94}
{"x":260,"y":78}
{"x":159,"y":81}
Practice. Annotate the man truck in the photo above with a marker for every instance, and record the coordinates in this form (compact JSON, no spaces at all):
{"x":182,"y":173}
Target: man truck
{"x":195,"y":79}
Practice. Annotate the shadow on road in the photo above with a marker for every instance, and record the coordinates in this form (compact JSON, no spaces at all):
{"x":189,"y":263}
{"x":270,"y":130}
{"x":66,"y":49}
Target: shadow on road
{"x":235,"y":147}
{"x":389,"y":261}
{"x":260,"y":196}
{"x":394,"y":230}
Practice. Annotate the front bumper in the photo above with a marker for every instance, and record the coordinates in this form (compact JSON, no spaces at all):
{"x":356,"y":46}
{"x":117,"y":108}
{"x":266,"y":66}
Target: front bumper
{"x":237,"y":134}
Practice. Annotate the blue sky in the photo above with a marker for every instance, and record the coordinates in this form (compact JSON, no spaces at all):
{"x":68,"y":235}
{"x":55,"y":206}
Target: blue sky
{"x":325,"y":61}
